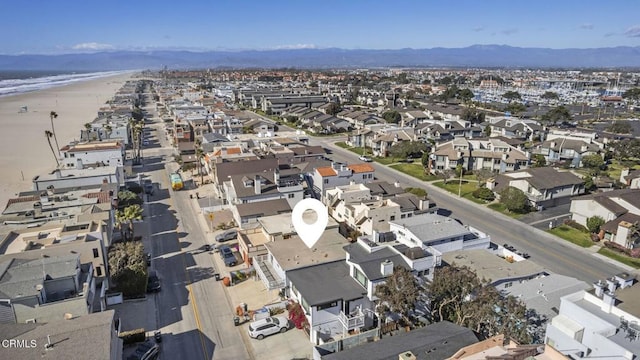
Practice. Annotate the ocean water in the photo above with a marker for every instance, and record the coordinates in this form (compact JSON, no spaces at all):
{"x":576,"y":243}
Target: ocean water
{"x":18,"y":82}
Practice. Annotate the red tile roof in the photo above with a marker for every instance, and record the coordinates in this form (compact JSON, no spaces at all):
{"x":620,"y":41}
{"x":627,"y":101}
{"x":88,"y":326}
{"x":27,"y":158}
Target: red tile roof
{"x":361,"y":168}
{"x":326,"y":171}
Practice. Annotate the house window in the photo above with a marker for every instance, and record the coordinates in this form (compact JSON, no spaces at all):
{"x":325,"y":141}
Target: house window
{"x":508,"y":285}
{"x":409,"y":215}
{"x":99,"y":271}
{"x":359,"y":276}
{"x":403,"y":216}
{"x":326,"y":181}
{"x":291,"y":196}
{"x":95,"y":253}
{"x":393,"y":217}
{"x":327,"y":305}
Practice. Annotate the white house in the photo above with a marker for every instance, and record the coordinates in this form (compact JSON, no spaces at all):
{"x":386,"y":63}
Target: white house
{"x":328,"y":177}
{"x":599,"y":325}
{"x":92,"y":153}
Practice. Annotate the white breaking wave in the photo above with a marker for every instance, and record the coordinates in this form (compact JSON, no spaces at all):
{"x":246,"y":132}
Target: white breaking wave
{"x":19,"y":86}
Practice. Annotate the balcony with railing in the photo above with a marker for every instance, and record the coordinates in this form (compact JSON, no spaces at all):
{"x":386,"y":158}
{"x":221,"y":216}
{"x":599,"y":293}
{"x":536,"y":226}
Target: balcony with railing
{"x":267,"y":273}
{"x":353,"y":320}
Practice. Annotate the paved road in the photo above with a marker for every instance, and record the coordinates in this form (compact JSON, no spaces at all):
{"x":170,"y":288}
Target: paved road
{"x":193,"y":310}
{"x":554,"y":254}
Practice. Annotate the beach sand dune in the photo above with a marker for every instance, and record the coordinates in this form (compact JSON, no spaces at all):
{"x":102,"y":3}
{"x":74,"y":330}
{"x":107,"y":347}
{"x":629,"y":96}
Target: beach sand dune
{"x":24,"y":151}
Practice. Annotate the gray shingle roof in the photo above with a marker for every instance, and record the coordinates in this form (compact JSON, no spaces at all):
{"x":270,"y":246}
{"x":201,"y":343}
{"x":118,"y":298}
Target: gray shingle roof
{"x":438,"y":341}
{"x":325,"y":283}
{"x":21,"y":276}
{"x":264,"y":208}
{"x":370,"y":262}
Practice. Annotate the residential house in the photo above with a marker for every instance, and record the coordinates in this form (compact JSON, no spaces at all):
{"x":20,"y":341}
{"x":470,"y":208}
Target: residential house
{"x":247,"y":215}
{"x":357,"y":207}
{"x":436,"y":341}
{"x":38,"y":287}
{"x":544,"y":186}
{"x":517,"y":128}
{"x":92,"y":154}
{"x":599,"y":324}
{"x":503,"y":271}
{"x":477,"y":154}
{"x":276,"y":105}
{"x":360,"y":138}
{"x":438,"y":234}
{"x":221,"y":172}
{"x":414,"y":117}
{"x":90,"y":336}
{"x":570,"y":151}
{"x":499,"y":347}
{"x":620,"y":209}
{"x":630,"y":178}
{"x":324,"y":178}
{"x":68,"y":178}
{"x":383,"y":141}
{"x":254,"y":187}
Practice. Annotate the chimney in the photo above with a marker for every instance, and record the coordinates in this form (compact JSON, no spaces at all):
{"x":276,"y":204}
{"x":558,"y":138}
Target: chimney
{"x":79,"y":164}
{"x":608,"y":300}
{"x":612,"y":285}
{"x":491,"y":183}
{"x":386,"y":267}
{"x":396,"y":184}
{"x":624,"y":173}
{"x":583,"y":148}
{"x":553,"y":144}
{"x":599,"y":286}
{"x":407,"y":355}
{"x":423,"y":204}
{"x":276,"y":176}
{"x":257,"y":186}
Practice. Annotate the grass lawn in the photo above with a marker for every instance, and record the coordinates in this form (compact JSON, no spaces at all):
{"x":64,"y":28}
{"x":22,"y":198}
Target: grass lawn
{"x":615,"y":168}
{"x":415,"y":170}
{"x":499,"y":207}
{"x":466,"y":190}
{"x":620,"y":257}
{"x":385,"y":160}
{"x":573,"y":235}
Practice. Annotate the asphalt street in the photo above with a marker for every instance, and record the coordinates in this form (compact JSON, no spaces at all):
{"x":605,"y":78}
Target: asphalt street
{"x":554,"y":254}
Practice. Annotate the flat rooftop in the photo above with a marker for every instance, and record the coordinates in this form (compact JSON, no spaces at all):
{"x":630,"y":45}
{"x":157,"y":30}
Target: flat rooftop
{"x":281,"y":223}
{"x":490,"y":266}
{"x":292,"y":253}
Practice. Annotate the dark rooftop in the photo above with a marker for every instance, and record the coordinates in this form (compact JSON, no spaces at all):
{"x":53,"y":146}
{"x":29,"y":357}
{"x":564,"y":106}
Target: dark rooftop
{"x":325,"y":283}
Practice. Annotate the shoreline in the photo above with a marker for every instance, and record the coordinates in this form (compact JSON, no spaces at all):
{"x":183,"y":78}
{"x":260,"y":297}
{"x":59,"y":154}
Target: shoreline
{"x":24,"y":150}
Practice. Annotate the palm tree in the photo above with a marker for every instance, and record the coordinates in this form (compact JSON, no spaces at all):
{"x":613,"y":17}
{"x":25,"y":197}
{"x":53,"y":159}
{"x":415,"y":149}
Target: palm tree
{"x":128,"y":215}
{"x":49,"y":135}
{"x":54,"y":115}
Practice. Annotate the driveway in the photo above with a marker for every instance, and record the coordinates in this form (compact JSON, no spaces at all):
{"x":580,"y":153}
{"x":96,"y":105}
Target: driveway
{"x":541,"y":219}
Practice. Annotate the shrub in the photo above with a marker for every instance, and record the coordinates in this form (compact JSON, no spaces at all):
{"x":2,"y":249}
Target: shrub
{"x":484,"y":194}
{"x":575,"y":225}
{"x":132,"y":336}
{"x":594,"y":223}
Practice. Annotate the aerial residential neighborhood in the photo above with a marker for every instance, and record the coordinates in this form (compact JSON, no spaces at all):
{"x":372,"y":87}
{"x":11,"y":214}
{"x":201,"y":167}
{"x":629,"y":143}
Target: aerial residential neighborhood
{"x":462,"y":223}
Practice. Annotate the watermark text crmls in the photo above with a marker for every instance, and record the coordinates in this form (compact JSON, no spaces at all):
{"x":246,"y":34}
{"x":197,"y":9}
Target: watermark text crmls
{"x":18,"y":344}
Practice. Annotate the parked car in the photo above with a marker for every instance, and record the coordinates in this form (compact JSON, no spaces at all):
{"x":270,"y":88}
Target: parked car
{"x":227,"y":255}
{"x":153,"y":283}
{"x":227,"y":235}
{"x":269,"y":326}
{"x":365,"y":159}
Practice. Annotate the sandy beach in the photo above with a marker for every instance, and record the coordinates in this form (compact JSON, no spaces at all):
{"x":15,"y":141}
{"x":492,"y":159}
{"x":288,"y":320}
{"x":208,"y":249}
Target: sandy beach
{"x":24,"y":150}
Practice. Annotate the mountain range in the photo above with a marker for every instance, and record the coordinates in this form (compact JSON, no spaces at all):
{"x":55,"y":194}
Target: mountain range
{"x":472,"y":56}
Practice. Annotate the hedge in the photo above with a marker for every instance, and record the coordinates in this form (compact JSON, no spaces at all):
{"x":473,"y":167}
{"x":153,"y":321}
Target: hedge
{"x":133,"y":336}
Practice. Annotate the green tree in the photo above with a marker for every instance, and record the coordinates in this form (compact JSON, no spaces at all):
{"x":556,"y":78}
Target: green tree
{"x":557,"y":114}
{"x":633,"y":94}
{"x":620,"y":127}
{"x":419,"y":192}
{"x":399,"y":292}
{"x":48,"y":134}
{"x":594,"y":223}
{"x":626,"y":149}
{"x":483,"y":175}
{"x":512,"y":96}
{"x":128,"y":198}
{"x":450,"y":289}
{"x":592,"y":161}
{"x":333,"y":108}
{"x":128,"y":215}
{"x":487,"y":130}
{"x":484,"y":194}
{"x":539,"y":160}
{"x":515,"y":108}
{"x":403,"y":149}
{"x":514,"y":199}
{"x":465,"y":95}
{"x":445,"y":175}
{"x":128,"y":268}
{"x":392,"y":116}
{"x":474,"y":116}
{"x":54,"y":115}
{"x":550,"y":95}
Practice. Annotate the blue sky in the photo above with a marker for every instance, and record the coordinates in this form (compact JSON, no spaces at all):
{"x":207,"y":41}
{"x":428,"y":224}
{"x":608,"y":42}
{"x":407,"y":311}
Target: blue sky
{"x":65,"y":26}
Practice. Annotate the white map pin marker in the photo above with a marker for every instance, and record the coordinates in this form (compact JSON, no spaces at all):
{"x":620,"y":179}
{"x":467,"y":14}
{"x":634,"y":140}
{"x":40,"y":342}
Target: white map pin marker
{"x":310,"y":233}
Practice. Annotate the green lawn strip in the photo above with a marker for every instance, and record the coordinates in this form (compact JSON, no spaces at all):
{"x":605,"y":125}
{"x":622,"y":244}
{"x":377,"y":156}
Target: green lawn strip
{"x":572,"y":235}
{"x":415,"y":170}
{"x":620,"y":257}
{"x":499,"y":207}
{"x":466,"y":190}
